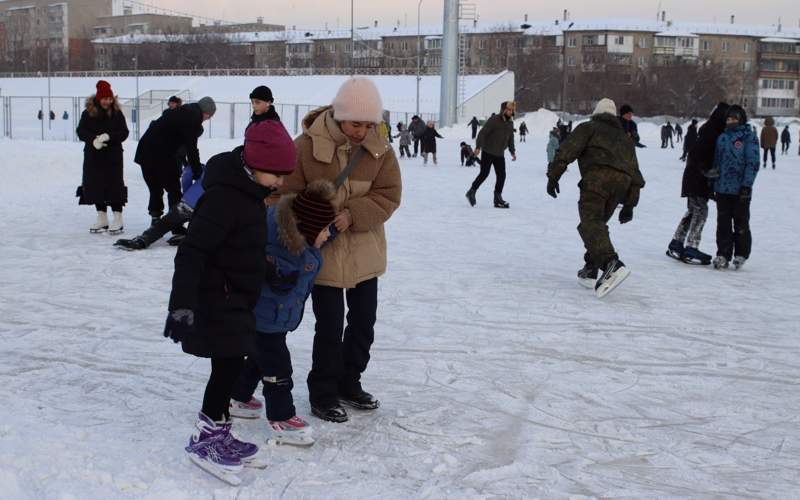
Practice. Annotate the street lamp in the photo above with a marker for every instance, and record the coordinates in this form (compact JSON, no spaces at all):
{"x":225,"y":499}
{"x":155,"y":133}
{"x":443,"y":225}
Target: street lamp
{"x":49,"y":104}
{"x":419,"y":53}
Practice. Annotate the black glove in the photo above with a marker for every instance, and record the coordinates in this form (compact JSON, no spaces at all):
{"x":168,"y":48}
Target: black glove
{"x":180,"y":325}
{"x":626,"y":214}
{"x":745,"y":193}
{"x":279,"y":284}
{"x":552,"y":187}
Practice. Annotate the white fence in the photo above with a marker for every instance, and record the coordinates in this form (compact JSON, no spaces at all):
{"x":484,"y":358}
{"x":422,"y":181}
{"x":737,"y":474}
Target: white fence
{"x":29,"y":117}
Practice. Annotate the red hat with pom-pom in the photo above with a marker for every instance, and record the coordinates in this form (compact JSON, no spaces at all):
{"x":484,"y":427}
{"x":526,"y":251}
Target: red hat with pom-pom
{"x":104,"y":90}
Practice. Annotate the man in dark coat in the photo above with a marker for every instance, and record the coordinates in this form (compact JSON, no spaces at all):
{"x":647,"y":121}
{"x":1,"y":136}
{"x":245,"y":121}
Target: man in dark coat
{"x":786,"y":140}
{"x":690,"y":140}
{"x":103,"y":129}
{"x":417,"y":128}
{"x":629,"y":125}
{"x":696,"y":189}
{"x":160,"y":146}
{"x":678,"y":133}
{"x":496,"y":135}
{"x":474,"y":123}
{"x":610,"y":176}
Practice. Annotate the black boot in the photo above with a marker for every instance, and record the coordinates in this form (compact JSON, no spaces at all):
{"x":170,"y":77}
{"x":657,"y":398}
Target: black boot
{"x":360,"y":399}
{"x":471,"y":197}
{"x":331,"y":413}
{"x":136,"y":243}
{"x":499,"y":202}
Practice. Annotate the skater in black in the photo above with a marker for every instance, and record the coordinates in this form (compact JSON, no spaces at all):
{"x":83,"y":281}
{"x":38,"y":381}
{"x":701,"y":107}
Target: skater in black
{"x":678,"y":133}
{"x":523,"y":131}
{"x":417,"y":128}
{"x":786,"y":140}
{"x":495,"y":136}
{"x":468,"y":157}
{"x":103,"y":129}
{"x":695,"y":188}
{"x":429,"y":143}
{"x":159,"y":146}
{"x":691,"y":140}
{"x":474,"y":124}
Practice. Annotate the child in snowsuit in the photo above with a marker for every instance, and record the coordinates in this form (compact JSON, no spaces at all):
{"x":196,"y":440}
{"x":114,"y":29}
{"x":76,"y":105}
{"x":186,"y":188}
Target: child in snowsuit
{"x":735,"y":169}
{"x":468,"y":157}
{"x":552,"y":145}
{"x":405,"y":140}
{"x":219,"y":271}
{"x":297,"y":227}
{"x":523,"y":131}
{"x":429,"y":143}
{"x":609,"y":176}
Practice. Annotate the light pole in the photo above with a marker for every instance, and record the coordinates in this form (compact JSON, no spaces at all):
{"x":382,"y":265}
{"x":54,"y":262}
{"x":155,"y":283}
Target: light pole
{"x":136,"y":102}
{"x":49,"y":105}
{"x":352,"y":40}
{"x":419,"y":53}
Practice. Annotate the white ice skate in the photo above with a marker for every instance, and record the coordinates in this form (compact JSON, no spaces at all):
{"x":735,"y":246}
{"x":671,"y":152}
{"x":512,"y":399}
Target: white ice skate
{"x":295,"y":431}
{"x":613,"y":276}
{"x":249,"y":409}
{"x":738,"y":262}
{"x":720,"y":262}
{"x":587,"y":277}
{"x":101,"y":224}
{"x":116,"y":226}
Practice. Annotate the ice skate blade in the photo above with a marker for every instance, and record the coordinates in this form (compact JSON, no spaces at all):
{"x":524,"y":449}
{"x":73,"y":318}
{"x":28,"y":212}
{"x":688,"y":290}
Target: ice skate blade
{"x":116,"y":231}
{"x":611,"y":285}
{"x":587,"y":283}
{"x":245,"y":414}
{"x":358,"y":406}
{"x":302,"y":442}
{"x":695,"y":262}
{"x":98,"y":231}
{"x":255,"y":462}
{"x":227,"y":474}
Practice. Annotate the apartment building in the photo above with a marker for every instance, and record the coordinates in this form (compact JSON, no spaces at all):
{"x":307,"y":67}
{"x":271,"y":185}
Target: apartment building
{"x":778,"y":76}
{"x":141,"y":24}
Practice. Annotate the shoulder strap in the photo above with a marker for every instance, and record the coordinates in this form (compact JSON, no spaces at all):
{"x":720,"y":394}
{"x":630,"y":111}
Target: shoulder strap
{"x":344,"y":174}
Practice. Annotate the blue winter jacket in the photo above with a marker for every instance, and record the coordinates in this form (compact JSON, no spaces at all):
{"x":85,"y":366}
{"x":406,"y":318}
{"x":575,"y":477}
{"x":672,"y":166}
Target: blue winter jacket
{"x":192,"y":190}
{"x":284,"y":294}
{"x":737,"y":158}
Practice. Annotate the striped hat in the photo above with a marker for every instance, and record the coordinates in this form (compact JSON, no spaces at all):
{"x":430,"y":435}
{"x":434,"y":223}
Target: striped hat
{"x":314,"y":210}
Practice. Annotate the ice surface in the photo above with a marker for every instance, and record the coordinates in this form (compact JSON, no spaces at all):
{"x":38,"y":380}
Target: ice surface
{"x":499,"y":376}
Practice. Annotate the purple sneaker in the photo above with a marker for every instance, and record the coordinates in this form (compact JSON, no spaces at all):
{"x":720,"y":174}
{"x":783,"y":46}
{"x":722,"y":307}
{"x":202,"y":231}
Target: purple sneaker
{"x":208,"y":451}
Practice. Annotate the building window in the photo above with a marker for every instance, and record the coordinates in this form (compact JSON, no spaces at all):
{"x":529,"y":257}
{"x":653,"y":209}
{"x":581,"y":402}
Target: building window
{"x":433,"y":43}
{"x":745,"y":65}
{"x":570,"y":60}
{"x":570,"y":79}
{"x":571,"y":42}
{"x":333,"y":49}
{"x":499,"y":44}
{"x":619,"y":40}
{"x":482,"y":44}
{"x":706,"y":45}
{"x":746,"y":47}
{"x":687,"y":43}
{"x":772,"y":102}
{"x":589,"y":40}
{"x":642,"y":61}
{"x":726,"y":46}
{"x":642,"y":42}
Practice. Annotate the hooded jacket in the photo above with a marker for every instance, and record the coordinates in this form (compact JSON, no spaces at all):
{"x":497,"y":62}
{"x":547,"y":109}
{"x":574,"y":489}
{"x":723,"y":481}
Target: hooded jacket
{"x":737,"y":158}
{"x":701,"y":156}
{"x":220,"y":266}
{"x":370,"y":194}
{"x":769,"y":134}
{"x":175,"y":129}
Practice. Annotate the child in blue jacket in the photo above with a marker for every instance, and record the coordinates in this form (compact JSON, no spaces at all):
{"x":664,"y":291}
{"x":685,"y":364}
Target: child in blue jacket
{"x":736,"y":162}
{"x":297,"y":227}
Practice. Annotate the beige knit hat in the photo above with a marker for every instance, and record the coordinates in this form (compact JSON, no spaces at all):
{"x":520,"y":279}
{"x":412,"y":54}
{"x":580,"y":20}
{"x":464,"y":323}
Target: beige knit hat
{"x":358,"y":100}
{"x":605,"y":106}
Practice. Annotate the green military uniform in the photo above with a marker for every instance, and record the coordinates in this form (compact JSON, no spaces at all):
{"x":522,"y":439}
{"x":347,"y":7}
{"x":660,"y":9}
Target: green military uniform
{"x":610,"y":176}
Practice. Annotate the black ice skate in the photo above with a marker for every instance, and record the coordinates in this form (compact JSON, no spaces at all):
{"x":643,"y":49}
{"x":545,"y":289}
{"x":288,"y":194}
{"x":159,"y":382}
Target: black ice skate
{"x":333,"y":413}
{"x":471,"y":197}
{"x":361,"y":400}
{"x":136,"y":243}
{"x":675,"y":250}
{"x":613,"y":275}
{"x":694,"y":256}
{"x":587,"y":276}
{"x":499,"y":202}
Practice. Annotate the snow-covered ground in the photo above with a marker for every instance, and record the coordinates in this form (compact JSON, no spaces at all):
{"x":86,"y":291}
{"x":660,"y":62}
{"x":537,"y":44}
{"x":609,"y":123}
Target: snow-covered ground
{"x":500,"y":377}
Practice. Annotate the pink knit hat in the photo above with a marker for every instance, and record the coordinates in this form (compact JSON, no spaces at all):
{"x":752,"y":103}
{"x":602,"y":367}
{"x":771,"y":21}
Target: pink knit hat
{"x":358,"y":100}
{"x":268,"y":147}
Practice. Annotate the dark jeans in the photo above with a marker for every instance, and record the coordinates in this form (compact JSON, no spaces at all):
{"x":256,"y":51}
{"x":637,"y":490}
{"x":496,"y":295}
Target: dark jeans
{"x":217,"y":398}
{"x":405,"y":151}
{"x":769,"y":151}
{"x":784,"y":147}
{"x":733,"y":226}
{"x":340,"y":354}
{"x":474,"y":132}
{"x":159,"y":177}
{"x":271,"y":364}
{"x":103,"y":208}
{"x":416,"y":147}
{"x":487,"y":161}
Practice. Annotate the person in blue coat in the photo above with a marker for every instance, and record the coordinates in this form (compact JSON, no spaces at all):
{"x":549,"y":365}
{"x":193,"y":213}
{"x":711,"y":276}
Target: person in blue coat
{"x":736,"y":162}
{"x":297,"y":227}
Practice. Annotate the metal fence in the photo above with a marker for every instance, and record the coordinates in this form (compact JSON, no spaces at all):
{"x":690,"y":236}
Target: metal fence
{"x":30,"y":117}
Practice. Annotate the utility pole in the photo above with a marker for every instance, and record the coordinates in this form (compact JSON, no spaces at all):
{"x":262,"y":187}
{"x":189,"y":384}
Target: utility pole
{"x":448,"y":101}
{"x":419,"y":53}
{"x":49,"y":105}
{"x":136,"y":103}
{"x":352,"y":40}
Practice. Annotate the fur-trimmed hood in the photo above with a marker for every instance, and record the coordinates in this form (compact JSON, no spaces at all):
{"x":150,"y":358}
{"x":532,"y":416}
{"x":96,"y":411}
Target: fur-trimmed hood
{"x":94,"y":108}
{"x":288,"y":232}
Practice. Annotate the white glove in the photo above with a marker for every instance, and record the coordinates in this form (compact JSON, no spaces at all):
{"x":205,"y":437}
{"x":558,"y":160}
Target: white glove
{"x":100,"y":141}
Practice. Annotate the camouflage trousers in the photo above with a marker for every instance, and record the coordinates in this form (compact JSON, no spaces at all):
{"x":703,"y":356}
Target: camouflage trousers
{"x":602,"y":190}
{"x":690,"y":228}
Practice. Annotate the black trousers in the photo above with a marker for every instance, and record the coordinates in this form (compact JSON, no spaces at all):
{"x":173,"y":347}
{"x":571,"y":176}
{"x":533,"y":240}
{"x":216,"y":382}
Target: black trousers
{"x":271,"y":363}
{"x":102,"y":208}
{"x":416,"y":147}
{"x":769,"y":151}
{"x":217,"y":398}
{"x":161,"y":176}
{"x":405,"y":151}
{"x":474,"y":132}
{"x":173,"y":221}
{"x":340,"y":353}
{"x":487,"y":161}
{"x":733,"y":226}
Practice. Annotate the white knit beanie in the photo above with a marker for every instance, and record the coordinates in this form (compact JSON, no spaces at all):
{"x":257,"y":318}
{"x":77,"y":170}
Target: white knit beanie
{"x":358,"y":100}
{"x":605,"y":105}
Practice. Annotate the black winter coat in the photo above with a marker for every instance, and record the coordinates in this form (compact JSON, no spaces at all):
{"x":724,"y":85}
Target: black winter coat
{"x":429,"y":140}
{"x":701,"y":156}
{"x":176,"y":128}
{"x":220,"y":265}
{"x":691,"y":138}
{"x":102,"y":169}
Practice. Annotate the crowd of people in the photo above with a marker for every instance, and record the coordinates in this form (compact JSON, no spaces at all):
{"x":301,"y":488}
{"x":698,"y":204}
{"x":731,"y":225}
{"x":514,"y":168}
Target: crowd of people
{"x":277,"y":221}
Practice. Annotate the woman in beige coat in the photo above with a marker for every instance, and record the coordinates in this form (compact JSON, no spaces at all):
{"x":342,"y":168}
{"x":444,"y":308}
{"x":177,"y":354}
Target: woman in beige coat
{"x":355,"y":259}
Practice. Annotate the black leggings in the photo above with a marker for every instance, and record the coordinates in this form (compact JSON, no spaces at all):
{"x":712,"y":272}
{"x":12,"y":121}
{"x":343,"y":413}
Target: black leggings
{"x":217,"y":398}
{"x":103,"y":208}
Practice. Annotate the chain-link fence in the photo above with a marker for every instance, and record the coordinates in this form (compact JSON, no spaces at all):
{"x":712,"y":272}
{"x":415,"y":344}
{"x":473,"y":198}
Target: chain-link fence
{"x":56,"y":118}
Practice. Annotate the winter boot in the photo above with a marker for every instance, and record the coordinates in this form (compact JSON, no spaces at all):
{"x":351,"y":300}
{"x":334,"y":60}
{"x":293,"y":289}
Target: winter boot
{"x":720,"y":262}
{"x":587,"y":276}
{"x":360,"y":399}
{"x":101,"y":224}
{"x":136,"y":243}
{"x":738,"y":262}
{"x":613,"y":275}
{"x":295,"y":431}
{"x":331,"y":413}
{"x":249,"y":409}
{"x":116,"y":225}
{"x":692,"y":255}
{"x":176,"y":240}
{"x":471,"y":197}
{"x":499,"y":202}
{"x":675,"y":250}
{"x":208,"y":451}
{"x":154,"y":219}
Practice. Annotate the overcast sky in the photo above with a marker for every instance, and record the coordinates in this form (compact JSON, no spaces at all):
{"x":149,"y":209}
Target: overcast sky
{"x":312,"y":13}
